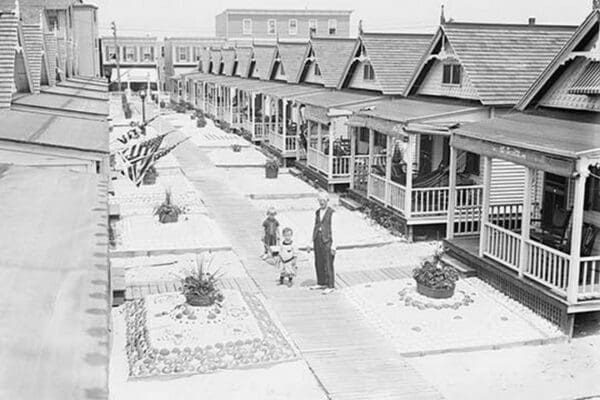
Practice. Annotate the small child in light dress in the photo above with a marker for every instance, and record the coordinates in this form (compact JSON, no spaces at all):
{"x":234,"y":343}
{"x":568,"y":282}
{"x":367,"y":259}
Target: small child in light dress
{"x":271,"y":232}
{"x":287,"y":257}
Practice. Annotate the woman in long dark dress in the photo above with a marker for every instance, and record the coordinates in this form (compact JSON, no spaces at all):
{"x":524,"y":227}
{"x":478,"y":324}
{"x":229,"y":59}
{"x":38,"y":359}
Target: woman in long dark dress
{"x":323,"y":245}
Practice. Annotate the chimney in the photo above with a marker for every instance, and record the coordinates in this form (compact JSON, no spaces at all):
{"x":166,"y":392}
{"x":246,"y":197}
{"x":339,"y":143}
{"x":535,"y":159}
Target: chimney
{"x":531,"y":21}
{"x":360,"y":28}
{"x":442,"y":16}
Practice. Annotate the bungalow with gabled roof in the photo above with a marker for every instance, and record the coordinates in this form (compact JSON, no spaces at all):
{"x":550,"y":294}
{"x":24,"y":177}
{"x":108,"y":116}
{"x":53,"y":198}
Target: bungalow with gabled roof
{"x":468,"y":72}
{"x":546,"y":252}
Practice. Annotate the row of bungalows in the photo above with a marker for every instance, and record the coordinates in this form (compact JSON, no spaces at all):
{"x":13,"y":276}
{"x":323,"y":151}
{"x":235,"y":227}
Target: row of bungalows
{"x":54,"y":162}
{"x":488,"y":133}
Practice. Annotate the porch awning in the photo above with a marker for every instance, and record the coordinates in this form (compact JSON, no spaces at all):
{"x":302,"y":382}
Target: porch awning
{"x":289,"y":90}
{"x":135,"y":75}
{"x":251,"y":85}
{"x":545,"y":143}
{"x":335,"y":99}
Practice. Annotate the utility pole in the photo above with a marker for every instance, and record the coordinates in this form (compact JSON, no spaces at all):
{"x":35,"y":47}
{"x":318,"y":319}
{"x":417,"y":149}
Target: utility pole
{"x":113,"y":26}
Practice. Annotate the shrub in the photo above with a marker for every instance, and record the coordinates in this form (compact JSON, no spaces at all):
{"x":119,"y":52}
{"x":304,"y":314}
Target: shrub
{"x":434,"y":274}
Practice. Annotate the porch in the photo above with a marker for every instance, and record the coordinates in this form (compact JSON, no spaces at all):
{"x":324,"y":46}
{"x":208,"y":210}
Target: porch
{"x":548,"y":238}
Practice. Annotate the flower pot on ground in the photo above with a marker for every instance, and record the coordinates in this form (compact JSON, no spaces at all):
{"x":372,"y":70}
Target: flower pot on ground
{"x":162,"y":104}
{"x":168,"y":212}
{"x":150,"y":176}
{"x":200,"y":121}
{"x":435,"y":279}
{"x":200,"y":287}
{"x":236,"y":147}
{"x":271,"y":169}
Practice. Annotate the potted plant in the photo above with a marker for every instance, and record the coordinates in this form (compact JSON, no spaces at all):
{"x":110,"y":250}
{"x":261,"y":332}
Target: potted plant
{"x":168,"y":212}
{"x":200,"y":121}
{"x":150,"y":176}
{"x":236,"y":147}
{"x":271,"y":168}
{"x":435,"y":279}
{"x":200,"y":288}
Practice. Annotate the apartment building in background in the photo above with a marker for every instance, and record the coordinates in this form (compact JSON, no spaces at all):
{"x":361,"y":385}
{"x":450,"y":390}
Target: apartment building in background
{"x":139,"y":59}
{"x":182,"y":54}
{"x":248,"y":24}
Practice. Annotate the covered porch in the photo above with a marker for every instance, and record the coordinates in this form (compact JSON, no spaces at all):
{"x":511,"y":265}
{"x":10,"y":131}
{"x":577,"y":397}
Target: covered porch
{"x":548,"y":239}
{"x":401,"y":154}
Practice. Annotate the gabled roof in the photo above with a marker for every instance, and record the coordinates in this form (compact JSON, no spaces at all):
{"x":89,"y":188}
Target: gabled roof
{"x":331,"y":55}
{"x":8,"y":43}
{"x":228,"y":56}
{"x":393,"y":56}
{"x":501,"y":60}
{"x":263,"y":55}
{"x":291,"y":56}
{"x":244,"y":54}
{"x":542,"y":82}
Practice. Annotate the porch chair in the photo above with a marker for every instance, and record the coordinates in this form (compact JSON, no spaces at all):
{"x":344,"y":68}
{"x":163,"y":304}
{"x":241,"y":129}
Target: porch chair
{"x":553,"y":228}
{"x":588,"y":239}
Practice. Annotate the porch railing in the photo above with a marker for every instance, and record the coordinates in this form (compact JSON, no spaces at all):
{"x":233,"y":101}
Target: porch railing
{"x":290,"y":143}
{"x":340,"y":164}
{"x":589,"y":277}
{"x":397,"y":196}
{"x":377,"y":187}
{"x":502,"y":245}
{"x":318,"y":160}
{"x":278,"y":140}
{"x":548,"y":266}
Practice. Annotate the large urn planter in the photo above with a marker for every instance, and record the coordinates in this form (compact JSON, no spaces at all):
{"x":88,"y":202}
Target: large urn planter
{"x":199,"y":301}
{"x":435,"y":279}
{"x":271,"y":169}
{"x":168,"y":218}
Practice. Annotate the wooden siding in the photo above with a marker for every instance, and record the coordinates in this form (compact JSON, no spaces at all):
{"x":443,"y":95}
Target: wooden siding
{"x":558,"y":95}
{"x":508,"y":182}
{"x":33,"y":37}
{"x":259,"y":26}
{"x":8,"y":42}
{"x":432,"y":84}
{"x":357,"y":81}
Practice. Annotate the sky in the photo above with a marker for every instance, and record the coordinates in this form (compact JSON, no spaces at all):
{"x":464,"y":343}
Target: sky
{"x":197,"y":17}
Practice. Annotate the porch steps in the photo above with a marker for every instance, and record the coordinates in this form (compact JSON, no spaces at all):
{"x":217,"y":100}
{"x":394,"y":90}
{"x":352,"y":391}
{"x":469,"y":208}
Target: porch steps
{"x":463,"y":269}
{"x":350,"y":204}
{"x":295,"y":172}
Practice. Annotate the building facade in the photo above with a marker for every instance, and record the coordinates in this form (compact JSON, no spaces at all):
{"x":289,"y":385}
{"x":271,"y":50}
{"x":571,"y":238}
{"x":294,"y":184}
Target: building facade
{"x":86,"y":39}
{"x":242,"y":24}
{"x":138,"y":57}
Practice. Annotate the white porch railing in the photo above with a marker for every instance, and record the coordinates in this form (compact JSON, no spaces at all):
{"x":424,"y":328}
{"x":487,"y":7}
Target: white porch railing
{"x":290,"y":143}
{"x":377,"y":187}
{"x":276,"y":140}
{"x":548,"y":266}
{"x":589,"y":277}
{"x":317,"y":160}
{"x":340,"y":164}
{"x":502,"y":245}
{"x":397,"y":196}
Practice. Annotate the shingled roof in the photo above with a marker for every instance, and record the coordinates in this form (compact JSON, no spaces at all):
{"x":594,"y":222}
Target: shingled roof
{"x":291,"y":55}
{"x":331,"y":55}
{"x":228,"y":56}
{"x":263,"y":55}
{"x":393,"y":56}
{"x":243,"y":56}
{"x":33,"y":43}
{"x":501,"y":60}
{"x":8,"y":42}
{"x":579,"y":37}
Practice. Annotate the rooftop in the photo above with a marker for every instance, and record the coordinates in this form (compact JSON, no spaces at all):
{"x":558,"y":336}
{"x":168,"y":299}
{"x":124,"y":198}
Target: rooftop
{"x":331,"y":98}
{"x":331,"y":55}
{"x":66,"y":105}
{"x":55,"y":296}
{"x":256,"y":11}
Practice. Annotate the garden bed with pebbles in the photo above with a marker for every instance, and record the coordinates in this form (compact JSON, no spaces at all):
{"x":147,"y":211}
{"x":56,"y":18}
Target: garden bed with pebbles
{"x":166,"y":337}
{"x":476,"y":317}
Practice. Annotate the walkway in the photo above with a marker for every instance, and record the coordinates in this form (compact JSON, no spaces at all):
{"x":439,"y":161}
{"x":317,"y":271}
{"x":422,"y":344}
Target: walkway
{"x":348,"y":357}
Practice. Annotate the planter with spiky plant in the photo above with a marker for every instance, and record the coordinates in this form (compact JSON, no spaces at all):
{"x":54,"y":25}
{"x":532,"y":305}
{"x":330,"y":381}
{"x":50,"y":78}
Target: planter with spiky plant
{"x":168,"y":212}
{"x":200,"y":287}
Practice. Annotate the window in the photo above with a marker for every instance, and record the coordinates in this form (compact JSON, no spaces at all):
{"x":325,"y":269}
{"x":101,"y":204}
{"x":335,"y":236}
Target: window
{"x":317,"y":70}
{"x":183,"y":54}
{"x":293,"y":27}
{"x":111,"y":54}
{"x":148,"y":53}
{"x":312,"y":26}
{"x":472,"y":163}
{"x":162,"y":51}
{"x":451,"y":74}
{"x":271,"y":27}
{"x":592,"y":190}
{"x":130,"y":54}
{"x":247,"y":26}
{"x":332,"y":26}
{"x":52,"y":19}
{"x":197,"y":52}
{"x":368,"y":72}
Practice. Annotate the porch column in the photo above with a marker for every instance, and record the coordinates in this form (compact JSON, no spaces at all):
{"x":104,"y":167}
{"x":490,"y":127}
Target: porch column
{"x":526,"y":220}
{"x":330,"y":156}
{"x":485,"y":204}
{"x":308,"y":140}
{"x":284,"y":121}
{"x":451,"y":194}
{"x":388,"y":168}
{"x":370,"y":162}
{"x":276,"y":125}
{"x":252,"y":116}
{"x":319,"y":137}
{"x":410,"y":156}
{"x":230,"y":105}
{"x":352,"y":155}
{"x":576,"y":231}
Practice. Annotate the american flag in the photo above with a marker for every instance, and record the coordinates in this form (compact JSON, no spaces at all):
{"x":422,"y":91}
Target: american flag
{"x":163,"y":152}
{"x":138,"y":158}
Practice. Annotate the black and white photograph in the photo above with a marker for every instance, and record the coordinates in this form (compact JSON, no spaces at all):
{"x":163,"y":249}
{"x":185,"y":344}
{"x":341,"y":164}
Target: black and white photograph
{"x":300,"y":200}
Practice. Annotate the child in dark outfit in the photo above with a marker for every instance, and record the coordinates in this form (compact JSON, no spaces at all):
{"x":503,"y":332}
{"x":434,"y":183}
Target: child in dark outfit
{"x":271,"y":232}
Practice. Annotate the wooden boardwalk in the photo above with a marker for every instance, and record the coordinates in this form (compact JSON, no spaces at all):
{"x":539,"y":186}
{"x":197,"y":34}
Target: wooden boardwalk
{"x":349,"y":358}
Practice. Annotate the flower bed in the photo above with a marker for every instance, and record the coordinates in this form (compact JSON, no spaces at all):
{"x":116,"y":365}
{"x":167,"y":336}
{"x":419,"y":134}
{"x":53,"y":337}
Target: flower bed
{"x":167,"y":337}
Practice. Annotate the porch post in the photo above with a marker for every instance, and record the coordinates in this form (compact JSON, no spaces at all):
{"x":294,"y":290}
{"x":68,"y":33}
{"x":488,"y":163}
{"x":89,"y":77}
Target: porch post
{"x":451,"y":194}
{"x":576,"y":230}
{"x":319,"y":138}
{"x":277,"y":118}
{"x":252,"y":116}
{"x":388,"y":168}
{"x":330,"y":156}
{"x":230,"y":105}
{"x":526,"y":220}
{"x":308,"y":140}
{"x":284,"y":121}
{"x":410,"y":156}
{"x":370,"y":163}
{"x":485,"y":203}
{"x":352,"y":155}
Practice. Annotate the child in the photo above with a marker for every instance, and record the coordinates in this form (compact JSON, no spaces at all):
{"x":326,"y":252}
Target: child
{"x":271,"y":232}
{"x":287,"y":257}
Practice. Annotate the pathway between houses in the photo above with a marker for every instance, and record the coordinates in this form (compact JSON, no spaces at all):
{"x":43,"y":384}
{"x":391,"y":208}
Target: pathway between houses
{"x":350,"y":359}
